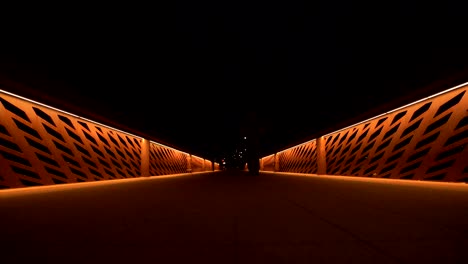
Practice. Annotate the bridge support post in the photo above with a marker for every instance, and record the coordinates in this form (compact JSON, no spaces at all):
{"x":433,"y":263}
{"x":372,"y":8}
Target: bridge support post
{"x":321,"y":156}
{"x":276,"y":163}
{"x":189,"y":163}
{"x":145,"y":161}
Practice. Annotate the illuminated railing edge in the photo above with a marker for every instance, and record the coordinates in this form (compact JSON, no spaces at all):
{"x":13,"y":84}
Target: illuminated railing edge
{"x":71,"y":114}
{"x":366,"y":120}
{"x":102,"y":125}
{"x":94,"y":122}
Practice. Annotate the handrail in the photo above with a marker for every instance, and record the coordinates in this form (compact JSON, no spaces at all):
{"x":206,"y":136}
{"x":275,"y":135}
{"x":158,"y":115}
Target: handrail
{"x":424,"y":140}
{"x":42,"y":145}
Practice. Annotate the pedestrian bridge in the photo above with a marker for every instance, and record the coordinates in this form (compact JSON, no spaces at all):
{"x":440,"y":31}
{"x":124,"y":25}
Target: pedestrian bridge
{"x":391,"y":189}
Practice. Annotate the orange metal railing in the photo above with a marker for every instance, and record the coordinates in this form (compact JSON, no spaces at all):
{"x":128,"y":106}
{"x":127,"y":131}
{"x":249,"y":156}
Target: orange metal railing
{"x":425,"y":140}
{"x":40,"y":145}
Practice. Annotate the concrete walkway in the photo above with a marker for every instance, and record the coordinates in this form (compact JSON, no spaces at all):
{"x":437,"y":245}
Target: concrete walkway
{"x":232,"y":217}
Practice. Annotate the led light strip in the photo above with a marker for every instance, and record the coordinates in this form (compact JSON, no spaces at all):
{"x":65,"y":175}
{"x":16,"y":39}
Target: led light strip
{"x":375,"y":117}
{"x":88,"y":120}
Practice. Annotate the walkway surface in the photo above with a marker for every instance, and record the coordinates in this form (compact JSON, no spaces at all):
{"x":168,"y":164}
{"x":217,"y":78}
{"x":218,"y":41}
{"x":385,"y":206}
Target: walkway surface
{"x":232,"y":217}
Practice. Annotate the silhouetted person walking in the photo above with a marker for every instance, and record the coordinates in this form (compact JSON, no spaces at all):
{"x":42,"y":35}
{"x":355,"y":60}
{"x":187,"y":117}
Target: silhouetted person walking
{"x":252,"y":144}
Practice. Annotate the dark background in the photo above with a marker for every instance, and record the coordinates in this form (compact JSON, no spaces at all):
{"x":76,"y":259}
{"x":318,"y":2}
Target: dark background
{"x":188,"y":74}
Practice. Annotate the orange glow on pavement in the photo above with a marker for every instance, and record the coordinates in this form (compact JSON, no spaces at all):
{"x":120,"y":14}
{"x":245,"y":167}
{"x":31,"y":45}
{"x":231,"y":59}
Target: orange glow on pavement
{"x":81,"y":185}
{"x":460,"y":186}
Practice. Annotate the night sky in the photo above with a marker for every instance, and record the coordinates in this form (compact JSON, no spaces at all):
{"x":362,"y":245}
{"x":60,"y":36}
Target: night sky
{"x":188,"y":75}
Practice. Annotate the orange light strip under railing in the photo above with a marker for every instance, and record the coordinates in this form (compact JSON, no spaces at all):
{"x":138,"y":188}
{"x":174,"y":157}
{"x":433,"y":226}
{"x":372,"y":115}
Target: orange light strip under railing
{"x":424,"y":140}
{"x":42,"y":145}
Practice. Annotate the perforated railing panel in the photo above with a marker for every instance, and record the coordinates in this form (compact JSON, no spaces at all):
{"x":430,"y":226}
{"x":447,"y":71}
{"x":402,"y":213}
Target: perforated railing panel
{"x":426,"y":140}
{"x":40,"y":145}
{"x":165,"y":161}
{"x":207,"y":164}
{"x":198,"y":164}
{"x":268,"y":163}
{"x":300,"y":159}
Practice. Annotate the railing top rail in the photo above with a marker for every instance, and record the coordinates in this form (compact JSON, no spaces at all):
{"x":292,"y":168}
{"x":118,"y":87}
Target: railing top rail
{"x":375,"y":117}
